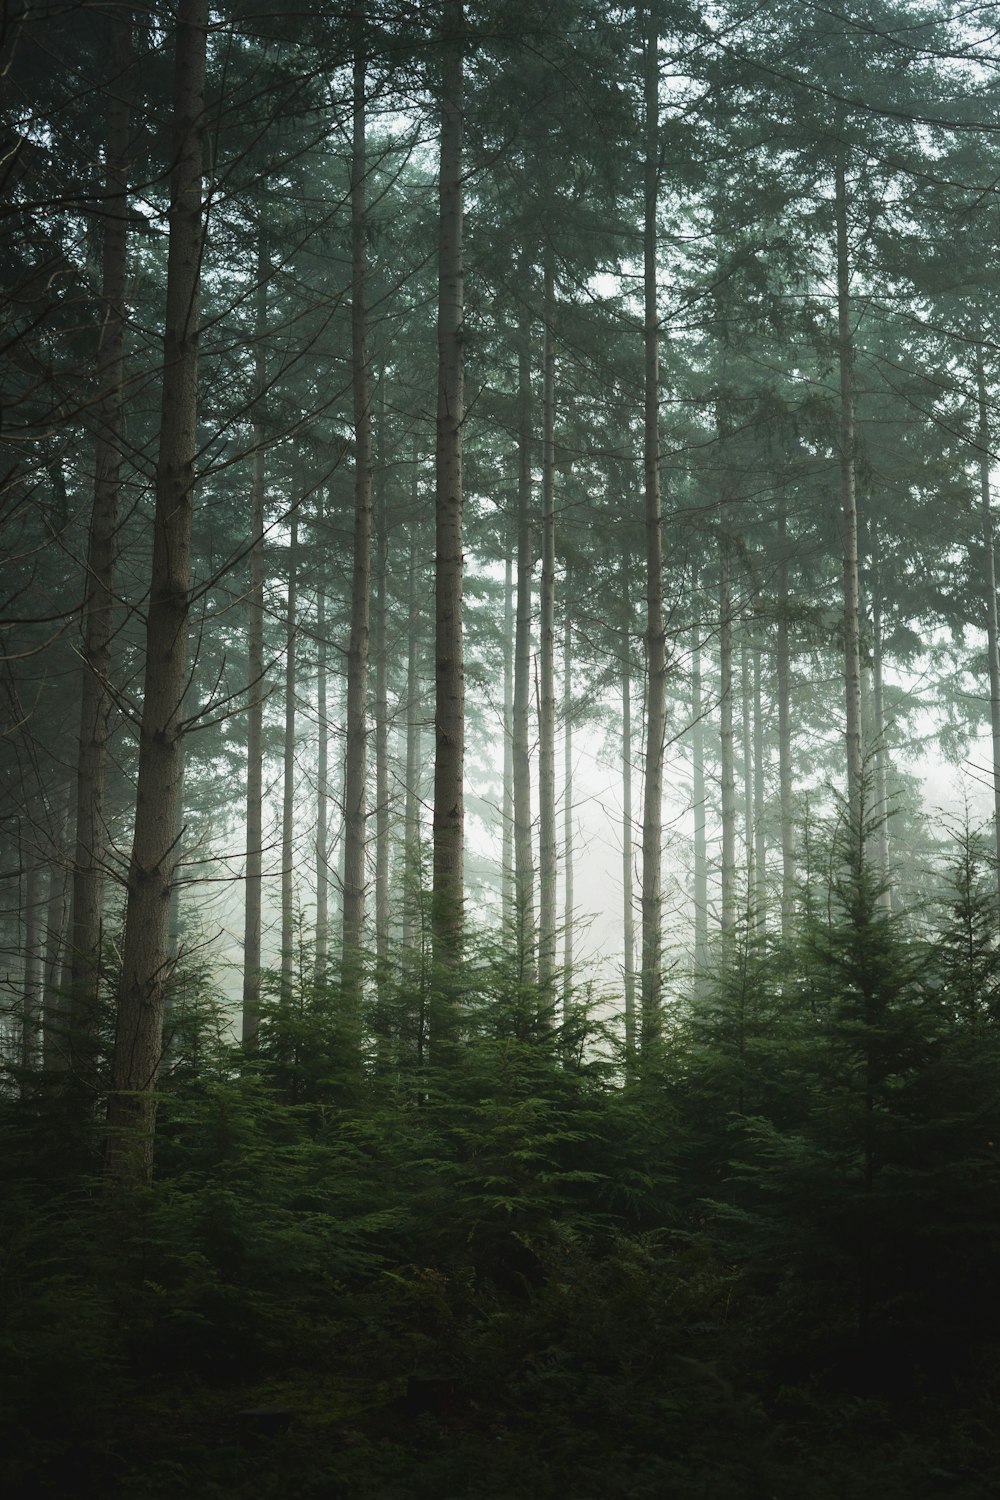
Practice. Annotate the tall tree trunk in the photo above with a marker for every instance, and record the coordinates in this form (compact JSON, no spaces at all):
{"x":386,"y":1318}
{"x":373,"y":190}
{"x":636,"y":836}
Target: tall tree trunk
{"x":699,"y":807}
{"x":322,"y":953}
{"x":95,"y":709}
{"x":547,"y":859}
{"x":727,"y":754}
{"x":524,"y":868}
{"x":786,"y":794}
{"x":628,"y":893}
{"x":355,"y":775}
{"x":288,"y":776}
{"x":56,"y":915}
{"x":881,"y":749}
{"x":254,"y":872}
{"x":33,"y":927}
{"x":449,"y":695}
{"x":507,"y":816}
{"x":382,"y":809}
{"x":414,"y":711}
{"x":849,"y":512}
{"x":760,"y":836}
{"x":567,"y":717}
{"x":746,"y":709}
{"x":656,"y":640}
{"x":145,"y":969}
{"x":990,"y":584}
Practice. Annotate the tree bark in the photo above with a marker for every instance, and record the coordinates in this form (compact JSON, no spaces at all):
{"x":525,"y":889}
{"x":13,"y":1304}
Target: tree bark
{"x":382,"y":808}
{"x":449,"y":696}
{"x":155,"y":852}
{"x":90,"y":855}
{"x":288,"y":776}
{"x":355,"y":776}
{"x":414,"y":711}
{"x":507,"y":812}
{"x":547,"y":855}
{"x":849,"y":513}
{"x":727,"y":755}
{"x":699,"y":808}
{"x":656,"y":641}
{"x":749,"y":841}
{"x":254,"y":871}
{"x":760,"y":835}
{"x":783,"y":685}
{"x":628,"y":894}
{"x":567,"y":718}
{"x":524,"y":868}
{"x":322,"y":952}
{"x":990,"y":583}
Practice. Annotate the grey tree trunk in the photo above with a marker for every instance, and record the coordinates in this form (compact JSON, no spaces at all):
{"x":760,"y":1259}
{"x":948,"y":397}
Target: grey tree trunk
{"x":155,"y":851}
{"x":628,"y":891}
{"x":77,"y":1045}
{"x":322,"y":953}
{"x":414,"y":711}
{"x":849,"y":511}
{"x":547,"y":853}
{"x":783,"y":685}
{"x":254,"y":871}
{"x":749,"y":840}
{"x":567,"y":718}
{"x":355,"y":774}
{"x":990,"y":584}
{"x":382,"y":807}
{"x":727,"y":754}
{"x":656,"y":641}
{"x":507,"y":811}
{"x":760,"y":835}
{"x":288,"y":773}
{"x":449,"y":695}
{"x":699,"y":808}
{"x":33,"y":906}
{"x":524,"y":868}
{"x":54,"y":1017}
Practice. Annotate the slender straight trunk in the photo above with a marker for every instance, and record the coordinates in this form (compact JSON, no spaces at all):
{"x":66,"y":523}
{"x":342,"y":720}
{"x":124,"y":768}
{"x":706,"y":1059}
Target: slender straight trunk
{"x":33,"y":927}
{"x":56,"y":919}
{"x":145,"y":969}
{"x":355,"y":774}
{"x":698,"y":801}
{"x":254,"y":872}
{"x":990,"y":583}
{"x":849,"y":512}
{"x":322,"y":953}
{"x":449,"y":695}
{"x":786,"y":794}
{"x":760,"y":838}
{"x":881,"y":751}
{"x":628,"y":893}
{"x":567,"y":718}
{"x":656,"y":639}
{"x":507,"y":816}
{"x":727,"y":754}
{"x":414,"y":711}
{"x":547,"y":858}
{"x":288,"y":776}
{"x":382,"y":810}
{"x":746,"y":709}
{"x":524,"y":869}
{"x":95,"y":709}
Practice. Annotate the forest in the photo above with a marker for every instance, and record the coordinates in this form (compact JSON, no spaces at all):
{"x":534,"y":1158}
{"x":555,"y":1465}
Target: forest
{"x":500,"y":760}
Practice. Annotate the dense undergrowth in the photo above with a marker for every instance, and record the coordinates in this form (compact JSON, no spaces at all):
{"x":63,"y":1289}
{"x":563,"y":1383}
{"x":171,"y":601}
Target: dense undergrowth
{"x":763,"y":1266}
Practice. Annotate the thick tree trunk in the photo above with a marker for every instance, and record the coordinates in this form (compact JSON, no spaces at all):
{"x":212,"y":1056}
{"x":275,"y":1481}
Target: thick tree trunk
{"x":449,"y":696}
{"x":96,"y":704}
{"x":746,"y":709}
{"x":155,"y":852}
{"x":656,"y":642}
{"x":254,"y":871}
{"x":288,"y":773}
{"x":849,"y":513}
{"x":990,"y":586}
{"x":355,"y":775}
{"x":524,"y":868}
{"x":547,"y":857}
{"x":783,"y":685}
